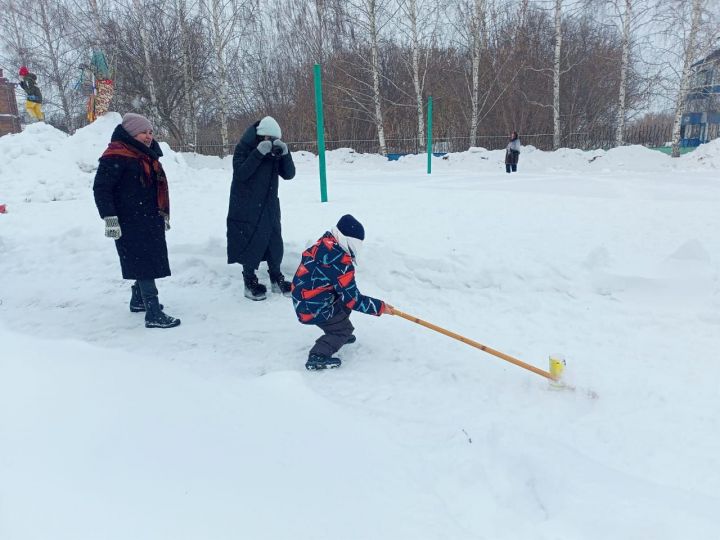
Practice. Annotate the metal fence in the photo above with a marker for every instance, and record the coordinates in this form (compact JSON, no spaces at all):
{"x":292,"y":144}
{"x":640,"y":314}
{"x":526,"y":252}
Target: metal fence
{"x":646,"y":135}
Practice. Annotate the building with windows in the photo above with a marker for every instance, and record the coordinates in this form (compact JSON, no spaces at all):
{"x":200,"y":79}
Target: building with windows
{"x":9,"y":117}
{"x":701,"y":121}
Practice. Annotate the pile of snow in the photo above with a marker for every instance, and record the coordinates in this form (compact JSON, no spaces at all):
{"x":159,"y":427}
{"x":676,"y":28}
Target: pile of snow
{"x":565,"y":160}
{"x":705,"y":155}
{"x":215,"y":430}
{"x":74,"y":161}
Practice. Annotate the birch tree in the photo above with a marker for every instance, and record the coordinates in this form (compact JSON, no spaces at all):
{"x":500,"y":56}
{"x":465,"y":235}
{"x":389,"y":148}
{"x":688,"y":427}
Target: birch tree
{"x":375,"y":65}
{"x":491,"y":64}
{"x":624,"y":66}
{"x":370,"y":17}
{"x":420,"y":23}
{"x":189,"y":122}
{"x":689,"y":55}
{"x":556,"y":75}
{"x":478,"y":31}
{"x":225,"y":20}
{"x":630,"y":17}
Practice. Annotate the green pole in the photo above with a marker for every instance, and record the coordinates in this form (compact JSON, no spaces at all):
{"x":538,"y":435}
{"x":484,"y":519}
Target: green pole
{"x":320,"y":133}
{"x":429,"y":134}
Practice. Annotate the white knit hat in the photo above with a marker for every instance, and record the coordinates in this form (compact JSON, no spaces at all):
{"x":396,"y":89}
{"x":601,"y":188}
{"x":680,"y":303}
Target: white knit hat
{"x":269,"y":127}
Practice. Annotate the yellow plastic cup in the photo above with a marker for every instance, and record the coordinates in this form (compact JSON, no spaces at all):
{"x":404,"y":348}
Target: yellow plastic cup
{"x":557,"y":368}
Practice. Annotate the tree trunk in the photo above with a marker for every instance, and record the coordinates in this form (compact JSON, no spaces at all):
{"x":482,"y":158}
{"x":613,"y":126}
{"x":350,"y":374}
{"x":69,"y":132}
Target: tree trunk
{"x":189,"y":117}
{"x":690,"y":45}
{"x":556,"y":75}
{"x":416,"y":74}
{"x":218,"y":44}
{"x":477,"y":26}
{"x":376,"y":77}
{"x":620,"y":129}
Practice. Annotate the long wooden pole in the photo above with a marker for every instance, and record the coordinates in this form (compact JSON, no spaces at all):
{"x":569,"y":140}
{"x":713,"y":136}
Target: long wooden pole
{"x":475,"y":344}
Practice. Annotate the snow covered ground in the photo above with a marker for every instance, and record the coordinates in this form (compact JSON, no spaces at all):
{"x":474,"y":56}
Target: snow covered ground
{"x":214,"y":430}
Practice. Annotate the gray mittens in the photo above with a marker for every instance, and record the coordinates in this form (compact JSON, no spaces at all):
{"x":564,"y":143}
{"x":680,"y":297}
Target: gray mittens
{"x":264,"y":147}
{"x":278,"y":144}
{"x":112,"y":227}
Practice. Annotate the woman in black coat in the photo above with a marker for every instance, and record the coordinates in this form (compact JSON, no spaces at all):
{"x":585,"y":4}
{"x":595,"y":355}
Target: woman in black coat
{"x":253,"y":223}
{"x":131,"y":194}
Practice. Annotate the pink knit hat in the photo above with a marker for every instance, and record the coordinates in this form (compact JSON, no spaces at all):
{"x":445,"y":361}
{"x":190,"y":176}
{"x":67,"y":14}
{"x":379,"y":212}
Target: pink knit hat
{"x":135,"y":123}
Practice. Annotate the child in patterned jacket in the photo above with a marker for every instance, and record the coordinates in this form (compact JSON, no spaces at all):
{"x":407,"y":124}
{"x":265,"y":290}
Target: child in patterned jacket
{"x":324,"y":291}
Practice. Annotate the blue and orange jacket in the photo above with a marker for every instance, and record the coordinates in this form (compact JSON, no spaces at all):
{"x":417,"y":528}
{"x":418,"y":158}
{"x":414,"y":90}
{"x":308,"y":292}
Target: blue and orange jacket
{"x":325,"y":276}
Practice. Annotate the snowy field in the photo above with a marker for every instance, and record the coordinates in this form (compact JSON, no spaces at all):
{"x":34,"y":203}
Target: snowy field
{"x":214,"y":430}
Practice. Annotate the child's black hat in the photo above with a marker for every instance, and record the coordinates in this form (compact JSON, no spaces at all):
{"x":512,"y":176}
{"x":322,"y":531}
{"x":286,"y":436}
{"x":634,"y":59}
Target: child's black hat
{"x":351,"y":227}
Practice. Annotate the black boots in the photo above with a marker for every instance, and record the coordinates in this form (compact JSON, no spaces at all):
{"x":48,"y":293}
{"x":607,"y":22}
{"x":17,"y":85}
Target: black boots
{"x":136,"y":302}
{"x":154,"y":316}
{"x":279,"y":285}
{"x":254,"y":290}
{"x":316,"y":361}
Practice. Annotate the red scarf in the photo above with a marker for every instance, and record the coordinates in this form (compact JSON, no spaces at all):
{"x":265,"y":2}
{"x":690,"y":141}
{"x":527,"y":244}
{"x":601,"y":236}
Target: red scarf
{"x":121,"y":149}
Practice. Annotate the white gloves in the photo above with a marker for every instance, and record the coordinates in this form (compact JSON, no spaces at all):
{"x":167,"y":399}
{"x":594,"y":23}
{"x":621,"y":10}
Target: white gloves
{"x":112,"y":227}
{"x":167,"y":223}
{"x":264,"y":147}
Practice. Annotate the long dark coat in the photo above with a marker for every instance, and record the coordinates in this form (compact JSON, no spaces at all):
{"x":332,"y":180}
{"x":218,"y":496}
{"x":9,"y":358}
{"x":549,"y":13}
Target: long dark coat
{"x":253,"y":222}
{"x":119,"y":191}
{"x":512,"y":153}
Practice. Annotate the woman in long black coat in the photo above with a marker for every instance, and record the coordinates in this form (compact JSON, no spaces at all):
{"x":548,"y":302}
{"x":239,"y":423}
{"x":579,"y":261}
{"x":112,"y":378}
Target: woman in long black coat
{"x":131,"y":194}
{"x":253,"y":224}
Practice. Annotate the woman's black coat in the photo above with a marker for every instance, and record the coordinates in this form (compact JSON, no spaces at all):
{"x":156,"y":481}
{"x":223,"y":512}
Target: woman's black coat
{"x":119,"y":191}
{"x":512,"y":157}
{"x":512,"y":153}
{"x":253,"y":222}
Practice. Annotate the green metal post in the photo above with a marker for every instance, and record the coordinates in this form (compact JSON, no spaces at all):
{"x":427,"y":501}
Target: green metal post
{"x":320,"y":133}
{"x":429,"y":134}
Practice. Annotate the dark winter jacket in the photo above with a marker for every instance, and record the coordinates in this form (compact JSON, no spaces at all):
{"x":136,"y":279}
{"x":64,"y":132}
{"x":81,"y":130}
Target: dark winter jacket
{"x":119,"y":191}
{"x":512,"y":152}
{"x":29,"y":84}
{"x":253,"y":221}
{"x":326,"y":275}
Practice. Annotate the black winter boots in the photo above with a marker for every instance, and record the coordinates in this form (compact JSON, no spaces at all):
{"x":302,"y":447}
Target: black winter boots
{"x":154,"y":316}
{"x":316,"y":361}
{"x":254,"y":290}
{"x":136,"y":302}
{"x":279,"y":285}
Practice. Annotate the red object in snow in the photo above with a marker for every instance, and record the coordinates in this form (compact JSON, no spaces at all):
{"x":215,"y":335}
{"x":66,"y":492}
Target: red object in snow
{"x":3,"y":209}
